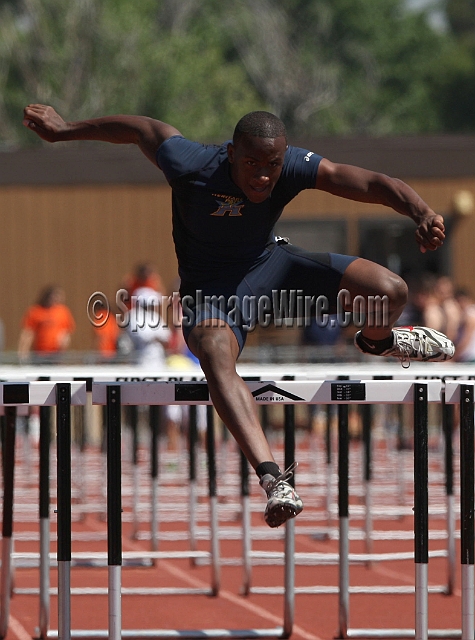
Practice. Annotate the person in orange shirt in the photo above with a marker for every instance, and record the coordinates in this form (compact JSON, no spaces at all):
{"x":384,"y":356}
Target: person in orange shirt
{"x":47,"y":327}
{"x":144,"y":274}
{"x":106,"y":336}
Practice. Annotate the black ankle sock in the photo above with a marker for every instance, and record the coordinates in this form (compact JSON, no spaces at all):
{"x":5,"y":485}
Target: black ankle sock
{"x":375,"y":346}
{"x":268,"y":467}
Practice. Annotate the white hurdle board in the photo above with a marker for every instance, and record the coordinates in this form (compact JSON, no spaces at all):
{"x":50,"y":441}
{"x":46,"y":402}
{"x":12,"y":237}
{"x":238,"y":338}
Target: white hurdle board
{"x":273,"y":392}
{"x":300,"y":371}
{"x":38,"y":394}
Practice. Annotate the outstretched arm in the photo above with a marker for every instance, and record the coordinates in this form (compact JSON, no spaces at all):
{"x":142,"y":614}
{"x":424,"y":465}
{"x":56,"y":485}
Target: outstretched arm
{"x":359,"y":184}
{"x":147,"y":133}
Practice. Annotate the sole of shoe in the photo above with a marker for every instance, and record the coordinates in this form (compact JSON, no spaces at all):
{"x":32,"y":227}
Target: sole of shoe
{"x":280,"y":514}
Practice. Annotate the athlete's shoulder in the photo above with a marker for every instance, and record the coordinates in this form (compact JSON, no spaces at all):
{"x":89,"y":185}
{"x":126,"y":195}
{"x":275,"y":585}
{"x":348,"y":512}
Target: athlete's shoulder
{"x":296,"y":155}
{"x":179,"y":156}
{"x":301,"y":167}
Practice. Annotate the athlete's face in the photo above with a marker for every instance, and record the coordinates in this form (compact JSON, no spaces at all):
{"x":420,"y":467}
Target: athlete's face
{"x":256,"y":165}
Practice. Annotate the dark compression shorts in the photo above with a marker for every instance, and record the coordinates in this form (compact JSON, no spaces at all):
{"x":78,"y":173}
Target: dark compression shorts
{"x":288,"y":282}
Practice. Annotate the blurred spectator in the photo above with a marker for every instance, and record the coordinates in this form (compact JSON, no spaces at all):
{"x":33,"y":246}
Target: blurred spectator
{"x":144,"y":274}
{"x":465,"y":343}
{"x":146,"y":328}
{"x":106,"y":336}
{"x":179,"y":355}
{"x":47,"y":327}
{"x":443,"y":312}
{"x":432,"y":304}
{"x":421,"y":297}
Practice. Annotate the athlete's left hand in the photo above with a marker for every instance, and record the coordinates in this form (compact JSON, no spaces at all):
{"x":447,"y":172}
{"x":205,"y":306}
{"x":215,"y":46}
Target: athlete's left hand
{"x":430,"y":232}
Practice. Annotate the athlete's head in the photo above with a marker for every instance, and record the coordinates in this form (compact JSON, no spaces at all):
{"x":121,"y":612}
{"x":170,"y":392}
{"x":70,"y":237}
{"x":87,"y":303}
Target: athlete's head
{"x":257,"y":154}
{"x":261,"y":124}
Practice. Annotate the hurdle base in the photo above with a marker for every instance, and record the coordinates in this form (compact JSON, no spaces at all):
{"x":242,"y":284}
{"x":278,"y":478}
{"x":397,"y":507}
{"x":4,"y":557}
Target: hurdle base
{"x":164,"y":634}
{"x":402,"y":633}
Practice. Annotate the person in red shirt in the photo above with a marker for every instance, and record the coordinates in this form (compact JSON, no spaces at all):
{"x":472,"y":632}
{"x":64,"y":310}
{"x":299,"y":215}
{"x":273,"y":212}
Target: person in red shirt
{"x":47,"y":327}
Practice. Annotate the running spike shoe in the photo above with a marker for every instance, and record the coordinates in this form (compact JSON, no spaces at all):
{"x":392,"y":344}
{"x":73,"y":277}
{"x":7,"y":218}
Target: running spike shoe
{"x":283,"y":501}
{"x":414,"y":343}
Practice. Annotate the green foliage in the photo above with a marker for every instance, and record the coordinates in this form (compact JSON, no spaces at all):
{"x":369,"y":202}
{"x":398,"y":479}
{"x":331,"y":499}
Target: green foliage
{"x":337,"y":67}
{"x":454,"y":83}
{"x":461,"y":16}
{"x":454,"y":89}
{"x":97,"y":57}
{"x":381,"y":56}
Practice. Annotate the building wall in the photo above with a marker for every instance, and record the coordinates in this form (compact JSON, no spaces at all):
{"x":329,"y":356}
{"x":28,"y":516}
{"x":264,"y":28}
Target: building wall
{"x":86,"y":238}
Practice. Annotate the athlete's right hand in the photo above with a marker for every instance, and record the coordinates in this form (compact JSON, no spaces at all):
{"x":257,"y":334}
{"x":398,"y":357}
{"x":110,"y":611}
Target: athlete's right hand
{"x":45,"y":122}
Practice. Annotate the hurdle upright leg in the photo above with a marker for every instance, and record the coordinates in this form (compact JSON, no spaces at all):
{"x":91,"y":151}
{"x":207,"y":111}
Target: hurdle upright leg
{"x":193,"y":498}
{"x":421,"y":509}
{"x":289,"y":567}
{"x":134,"y":420}
{"x":63,"y":425}
{"x":7,"y":524}
{"x":154,"y":420}
{"x":44,"y":499}
{"x":213,"y":501}
{"x":447,"y":426}
{"x":366,"y":411}
{"x":114,"y":509}
{"x":343,"y":517}
{"x":246,"y":524}
{"x":328,"y":465}
{"x":467,"y":506}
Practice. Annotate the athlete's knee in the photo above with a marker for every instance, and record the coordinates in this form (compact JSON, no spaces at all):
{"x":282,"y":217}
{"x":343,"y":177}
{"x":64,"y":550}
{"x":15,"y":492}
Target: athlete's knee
{"x":213,"y":347}
{"x":363,"y":277}
{"x":396,"y":290}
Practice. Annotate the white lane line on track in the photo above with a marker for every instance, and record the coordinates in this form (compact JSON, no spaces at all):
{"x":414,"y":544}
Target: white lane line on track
{"x":227,"y":595}
{"x":383,"y":571}
{"x":18,"y":629}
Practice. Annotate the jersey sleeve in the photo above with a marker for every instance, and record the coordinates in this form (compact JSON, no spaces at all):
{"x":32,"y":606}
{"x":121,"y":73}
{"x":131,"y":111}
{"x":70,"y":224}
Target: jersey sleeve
{"x":301,"y":167}
{"x":178,"y":156}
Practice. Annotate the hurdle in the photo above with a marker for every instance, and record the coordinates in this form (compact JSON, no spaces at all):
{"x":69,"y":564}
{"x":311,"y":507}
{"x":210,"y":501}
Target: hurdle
{"x":14,"y":398}
{"x":149,"y":394}
{"x":266,"y":396}
{"x":366,"y":393}
{"x":463,"y":395}
{"x":290,"y":392}
{"x":368,"y":557}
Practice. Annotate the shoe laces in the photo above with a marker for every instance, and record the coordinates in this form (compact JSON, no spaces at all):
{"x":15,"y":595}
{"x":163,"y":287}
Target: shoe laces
{"x":403,"y":349}
{"x":285,"y":475}
{"x":405,"y":345}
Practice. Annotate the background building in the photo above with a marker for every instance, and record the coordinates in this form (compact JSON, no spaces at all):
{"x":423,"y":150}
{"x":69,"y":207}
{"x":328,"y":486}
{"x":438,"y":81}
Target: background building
{"x":82,"y":215}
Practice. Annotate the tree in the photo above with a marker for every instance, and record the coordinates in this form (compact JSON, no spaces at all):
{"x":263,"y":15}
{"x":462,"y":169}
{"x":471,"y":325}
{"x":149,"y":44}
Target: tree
{"x":461,"y":17}
{"x":328,"y":67}
{"x":339,"y":66}
{"x":454,"y":82}
{"x":93,"y":57}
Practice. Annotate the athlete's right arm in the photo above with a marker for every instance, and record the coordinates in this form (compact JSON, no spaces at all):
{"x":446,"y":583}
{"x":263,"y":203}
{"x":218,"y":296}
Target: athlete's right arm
{"x":147,"y":133}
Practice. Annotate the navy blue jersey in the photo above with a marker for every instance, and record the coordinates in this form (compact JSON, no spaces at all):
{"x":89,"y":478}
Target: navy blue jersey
{"x":218,"y":232}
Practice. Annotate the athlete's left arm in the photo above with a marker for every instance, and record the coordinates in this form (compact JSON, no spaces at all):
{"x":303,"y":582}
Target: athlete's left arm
{"x":360,"y":184}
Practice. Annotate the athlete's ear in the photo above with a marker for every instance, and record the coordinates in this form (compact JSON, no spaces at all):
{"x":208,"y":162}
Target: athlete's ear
{"x":230,"y":152}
